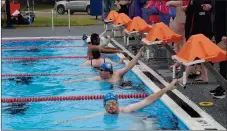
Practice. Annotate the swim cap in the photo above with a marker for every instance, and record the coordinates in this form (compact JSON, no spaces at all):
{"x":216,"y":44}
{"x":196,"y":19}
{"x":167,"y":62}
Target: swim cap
{"x":109,"y":96}
{"x":84,"y":37}
{"x":107,"y":67}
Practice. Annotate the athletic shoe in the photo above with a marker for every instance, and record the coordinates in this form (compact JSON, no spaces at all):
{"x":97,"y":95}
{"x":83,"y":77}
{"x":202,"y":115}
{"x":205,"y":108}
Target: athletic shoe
{"x":217,"y":89}
{"x":219,"y":95}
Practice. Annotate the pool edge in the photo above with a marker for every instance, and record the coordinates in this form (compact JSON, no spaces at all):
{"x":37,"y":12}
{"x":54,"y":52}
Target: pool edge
{"x":205,"y":122}
{"x":8,"y":39}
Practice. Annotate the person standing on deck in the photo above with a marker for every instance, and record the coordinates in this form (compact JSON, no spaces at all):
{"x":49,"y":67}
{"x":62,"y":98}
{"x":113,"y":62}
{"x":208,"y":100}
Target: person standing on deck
{"x":221,"y":35}
{"x":198,"y":21}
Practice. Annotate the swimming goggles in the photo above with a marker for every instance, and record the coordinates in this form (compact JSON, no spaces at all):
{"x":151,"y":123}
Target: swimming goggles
{"x":111,"y":103}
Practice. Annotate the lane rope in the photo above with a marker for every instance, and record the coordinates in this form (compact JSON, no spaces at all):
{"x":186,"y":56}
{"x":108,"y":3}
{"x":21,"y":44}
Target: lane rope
{"x":38,"y":47}
{"x":41,"y":74}
{"x":69,"y":98}
{"x":38,"y":39}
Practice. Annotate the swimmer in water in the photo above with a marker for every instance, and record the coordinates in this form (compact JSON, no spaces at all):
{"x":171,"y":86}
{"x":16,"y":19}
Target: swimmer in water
{"x":33,"y":50}
{"x":111,"y":105}
{"x":107,"y":74}
{"x":96,"y":60}
{"x":16,"y":108}
{"x":125,"y":84}
{"x":22,"y":80}
{"x":95,"y":42}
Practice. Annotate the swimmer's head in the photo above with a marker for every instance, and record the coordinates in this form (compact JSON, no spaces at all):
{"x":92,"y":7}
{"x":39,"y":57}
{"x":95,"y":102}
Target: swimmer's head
{"x":106,"y":67}
{"x":110,"y":103}
{"x":95,"y":40}
{"x":106,"y":70}
{"x":96,"y":53}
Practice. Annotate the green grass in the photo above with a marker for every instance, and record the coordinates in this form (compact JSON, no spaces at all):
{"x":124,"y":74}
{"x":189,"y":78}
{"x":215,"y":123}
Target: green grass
{"x":37,"y":7}
{"x":46,"y":22}
{"x":64,"y":22}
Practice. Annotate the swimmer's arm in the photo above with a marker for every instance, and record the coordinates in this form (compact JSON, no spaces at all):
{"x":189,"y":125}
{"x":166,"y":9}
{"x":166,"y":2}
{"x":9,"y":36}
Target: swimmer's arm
{"x":111,"y":62}
{"x":83,"y":79}
{"x":79,"y":118}
{"x":132,"y":63}
{"x":114,"y":63}
{"x":121,"y":60}
{"x":86,"y":63}
{"x":109,"y":50}
{"x":150,"y":99}
{"x":107,"y":41}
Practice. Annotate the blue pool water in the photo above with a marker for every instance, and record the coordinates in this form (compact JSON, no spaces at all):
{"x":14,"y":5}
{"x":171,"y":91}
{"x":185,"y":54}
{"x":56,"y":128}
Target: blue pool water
{"x":41,"y":115}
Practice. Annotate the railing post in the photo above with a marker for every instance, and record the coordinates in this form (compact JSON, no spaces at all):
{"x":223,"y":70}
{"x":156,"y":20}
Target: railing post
{"x":52,"y":18}
{"x":69,"y":18}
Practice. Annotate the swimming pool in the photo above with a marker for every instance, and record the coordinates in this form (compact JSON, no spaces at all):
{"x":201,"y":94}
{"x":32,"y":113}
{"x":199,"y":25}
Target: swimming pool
{"x":41,"y":115}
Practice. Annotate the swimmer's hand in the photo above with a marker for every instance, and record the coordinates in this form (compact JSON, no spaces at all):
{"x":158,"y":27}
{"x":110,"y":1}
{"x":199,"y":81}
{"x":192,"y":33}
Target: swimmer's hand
{"x":131,"y":64}
{"x":173,"y":84}
{"x":79,"y":118}
{"x":142,"y":49}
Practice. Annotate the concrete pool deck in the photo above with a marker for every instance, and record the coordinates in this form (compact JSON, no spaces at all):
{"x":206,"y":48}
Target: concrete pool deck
{"x":218,"y":111}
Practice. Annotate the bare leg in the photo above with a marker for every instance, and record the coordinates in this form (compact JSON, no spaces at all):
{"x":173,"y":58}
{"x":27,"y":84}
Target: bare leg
{"x":187,"y":70}
{"x":203,"y":76}
{"x":179,"y":29}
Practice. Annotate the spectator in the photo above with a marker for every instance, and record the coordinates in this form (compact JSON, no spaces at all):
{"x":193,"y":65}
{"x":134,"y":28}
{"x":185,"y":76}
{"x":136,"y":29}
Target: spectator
{"x":122,"y":5}
{"x":157,"y":7}
{"x":220,"y":22}
{"x":108,"y":6}
{"x":198,"y":21}
{"x":198,"y":18}
{"x":135,"y":8}
{"x":177,"y":24}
